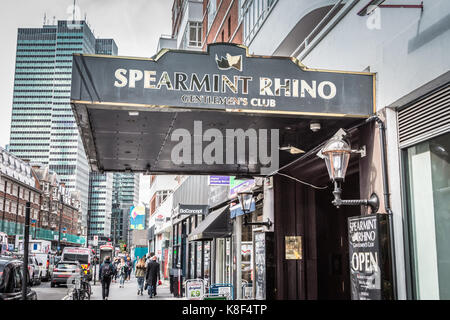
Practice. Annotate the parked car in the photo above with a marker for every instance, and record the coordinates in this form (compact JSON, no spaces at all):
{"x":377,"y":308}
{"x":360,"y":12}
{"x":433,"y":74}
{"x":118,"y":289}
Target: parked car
{"x":11,"y":277}
{"x":64,"y":270}
{"x":46,"y":263}
{"x":35,"y":270}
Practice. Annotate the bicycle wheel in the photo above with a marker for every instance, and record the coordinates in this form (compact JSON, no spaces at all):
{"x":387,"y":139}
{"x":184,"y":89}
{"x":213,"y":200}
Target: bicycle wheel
{"x":88,"y":291}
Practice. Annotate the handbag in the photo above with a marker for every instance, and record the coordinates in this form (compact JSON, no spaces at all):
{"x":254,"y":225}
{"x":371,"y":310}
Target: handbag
{"x":159,"y":282}
{"x":146,"y":285}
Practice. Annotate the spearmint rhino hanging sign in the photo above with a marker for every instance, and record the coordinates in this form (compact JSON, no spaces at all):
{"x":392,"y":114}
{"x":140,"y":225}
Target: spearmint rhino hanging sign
{"x":369,"y":257}
{"x":225,"y":77}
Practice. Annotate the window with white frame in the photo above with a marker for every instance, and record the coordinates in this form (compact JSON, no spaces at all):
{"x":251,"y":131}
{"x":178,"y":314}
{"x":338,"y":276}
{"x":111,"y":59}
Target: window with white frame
{"x":254,"y":12}
{"x":195,"y":34}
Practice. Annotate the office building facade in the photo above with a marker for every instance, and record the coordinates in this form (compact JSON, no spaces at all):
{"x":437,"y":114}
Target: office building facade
{"x":43,"y":128}
{"x":125,"y":195}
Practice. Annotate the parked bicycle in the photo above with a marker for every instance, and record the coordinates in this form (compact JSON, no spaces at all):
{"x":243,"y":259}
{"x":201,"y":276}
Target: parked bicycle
{"x":82,"y":289}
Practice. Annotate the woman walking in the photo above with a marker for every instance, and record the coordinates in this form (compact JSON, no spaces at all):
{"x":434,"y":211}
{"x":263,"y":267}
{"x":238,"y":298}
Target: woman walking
{"x":140,"y":275}
{"x":122,"y":272}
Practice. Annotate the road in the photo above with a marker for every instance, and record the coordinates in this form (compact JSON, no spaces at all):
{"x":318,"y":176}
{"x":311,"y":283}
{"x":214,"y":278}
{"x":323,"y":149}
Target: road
{"x":129,"y":292}
{"x":45,"y":292}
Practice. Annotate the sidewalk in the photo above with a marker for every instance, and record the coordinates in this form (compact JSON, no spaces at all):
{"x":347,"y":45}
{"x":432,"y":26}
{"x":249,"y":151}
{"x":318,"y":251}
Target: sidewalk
{"x":129,"y":291}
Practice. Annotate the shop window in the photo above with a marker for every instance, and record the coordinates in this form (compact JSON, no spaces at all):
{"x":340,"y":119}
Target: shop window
{"x":206,"y":260}
{"x":199,"y":259}
{"x":428,"y":204}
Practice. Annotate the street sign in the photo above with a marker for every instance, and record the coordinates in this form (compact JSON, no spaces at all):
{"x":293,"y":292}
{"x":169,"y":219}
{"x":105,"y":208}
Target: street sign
{"x":95,"y":242}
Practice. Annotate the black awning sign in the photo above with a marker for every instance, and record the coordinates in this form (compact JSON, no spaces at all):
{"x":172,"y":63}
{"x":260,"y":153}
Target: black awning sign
{"x":225,"y":77}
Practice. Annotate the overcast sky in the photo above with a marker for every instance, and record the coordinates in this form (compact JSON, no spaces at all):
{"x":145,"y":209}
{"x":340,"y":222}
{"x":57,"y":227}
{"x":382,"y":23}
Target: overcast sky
{"x":135,"y":25}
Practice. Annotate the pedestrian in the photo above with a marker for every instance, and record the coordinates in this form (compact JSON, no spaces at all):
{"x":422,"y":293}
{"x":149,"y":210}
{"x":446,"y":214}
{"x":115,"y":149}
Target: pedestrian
{"x":122,"y":272}
{"x":140,"y":275}
{"x":152,"y":276}
{"x":129,"y":267}
{"x":106,"y":273}
{"x":116,"y":268}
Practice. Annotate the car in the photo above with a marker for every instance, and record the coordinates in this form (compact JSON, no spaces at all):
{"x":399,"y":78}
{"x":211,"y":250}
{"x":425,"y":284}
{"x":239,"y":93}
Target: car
{"x":34,"y":276}
{"x":65,"y":270}
{"x":35,"y":270}
{"x":46,"y":263}
{"x":11,"y":277}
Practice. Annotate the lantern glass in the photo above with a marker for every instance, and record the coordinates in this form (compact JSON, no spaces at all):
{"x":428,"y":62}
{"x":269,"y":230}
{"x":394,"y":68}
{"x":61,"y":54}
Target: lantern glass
{"x":337,"y":163}
{"x":337,"y":155}
{"x":245,"y":200}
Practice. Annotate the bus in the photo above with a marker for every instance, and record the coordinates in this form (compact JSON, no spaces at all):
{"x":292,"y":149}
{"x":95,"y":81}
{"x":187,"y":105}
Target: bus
{"x":83,"y":255}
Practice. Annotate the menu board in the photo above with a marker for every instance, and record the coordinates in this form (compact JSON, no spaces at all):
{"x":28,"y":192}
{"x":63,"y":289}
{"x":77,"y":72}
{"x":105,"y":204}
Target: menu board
{"x":369,"y":257}
{"x":260,"y":266}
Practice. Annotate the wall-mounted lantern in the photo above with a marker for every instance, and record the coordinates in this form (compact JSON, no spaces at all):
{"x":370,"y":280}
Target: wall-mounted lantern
{"x":336,"y":153}
{"x":245,"y":199}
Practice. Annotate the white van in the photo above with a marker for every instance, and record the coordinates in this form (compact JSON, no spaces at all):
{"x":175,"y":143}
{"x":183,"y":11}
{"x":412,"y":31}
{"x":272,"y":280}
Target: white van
{"x":3,"y":242}
{"x":82,"y":255}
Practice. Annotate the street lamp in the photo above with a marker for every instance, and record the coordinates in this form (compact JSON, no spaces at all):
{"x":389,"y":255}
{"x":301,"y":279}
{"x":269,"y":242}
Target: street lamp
{"x":336,"y":153}
{"x":245,"y":199}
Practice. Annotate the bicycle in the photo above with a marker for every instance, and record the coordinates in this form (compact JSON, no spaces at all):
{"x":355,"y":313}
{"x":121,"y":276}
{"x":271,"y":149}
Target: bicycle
{"x":82,"y":289}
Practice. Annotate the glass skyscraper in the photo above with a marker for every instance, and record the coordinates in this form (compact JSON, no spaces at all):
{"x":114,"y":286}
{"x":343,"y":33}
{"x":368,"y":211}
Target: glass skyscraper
{"x":100,"y":204}
{"x":43,"y":128}
{"x":125,"y":195}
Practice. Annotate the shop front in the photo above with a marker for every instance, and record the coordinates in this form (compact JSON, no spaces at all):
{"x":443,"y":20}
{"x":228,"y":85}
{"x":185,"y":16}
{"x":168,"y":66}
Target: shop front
{"x":424,"y":142}
{"x":187,"y":258}
{"x":226,"y":112}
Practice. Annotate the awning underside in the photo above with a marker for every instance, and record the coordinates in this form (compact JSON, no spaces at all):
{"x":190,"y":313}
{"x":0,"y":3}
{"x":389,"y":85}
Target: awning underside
{"x":116,"y":138}
{"x":216,"y":225}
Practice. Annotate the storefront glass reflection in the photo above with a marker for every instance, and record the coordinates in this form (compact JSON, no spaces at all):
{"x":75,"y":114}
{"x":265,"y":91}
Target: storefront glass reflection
{"x":428,"y":187}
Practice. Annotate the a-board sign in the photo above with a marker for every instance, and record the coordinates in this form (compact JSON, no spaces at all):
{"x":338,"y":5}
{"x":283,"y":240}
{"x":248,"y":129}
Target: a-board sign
{"x":195,"y":289}
{"x":370,"y":273}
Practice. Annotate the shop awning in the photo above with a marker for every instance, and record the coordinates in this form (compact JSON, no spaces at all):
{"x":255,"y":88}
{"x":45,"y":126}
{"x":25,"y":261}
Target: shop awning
{"x":216,"y":225}
{"x":166,"y":114}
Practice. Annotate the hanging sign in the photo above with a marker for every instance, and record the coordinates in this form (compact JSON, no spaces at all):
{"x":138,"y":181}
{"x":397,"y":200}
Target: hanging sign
{"x":369,"y":257}
{"x":226,"y":77}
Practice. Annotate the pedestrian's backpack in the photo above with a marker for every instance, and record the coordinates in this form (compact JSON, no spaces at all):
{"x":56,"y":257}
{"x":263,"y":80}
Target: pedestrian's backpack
{"x":107,"y":271}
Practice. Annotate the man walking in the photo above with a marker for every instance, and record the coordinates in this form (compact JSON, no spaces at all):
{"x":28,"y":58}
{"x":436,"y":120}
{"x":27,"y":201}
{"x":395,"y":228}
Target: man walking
{"x":152,"y":276}
{"x":105,"y":274}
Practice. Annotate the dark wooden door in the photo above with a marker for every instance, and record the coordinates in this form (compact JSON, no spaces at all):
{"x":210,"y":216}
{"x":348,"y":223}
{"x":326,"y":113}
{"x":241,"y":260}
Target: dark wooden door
{"x":332,"y":241}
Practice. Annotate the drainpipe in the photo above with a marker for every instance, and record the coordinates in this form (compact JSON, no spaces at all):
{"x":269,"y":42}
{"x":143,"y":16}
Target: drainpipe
{"x":387,"y":204}
{"x":238,"y":223}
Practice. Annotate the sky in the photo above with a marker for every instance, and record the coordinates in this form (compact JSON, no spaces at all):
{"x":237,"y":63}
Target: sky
{"x":135,"y":25}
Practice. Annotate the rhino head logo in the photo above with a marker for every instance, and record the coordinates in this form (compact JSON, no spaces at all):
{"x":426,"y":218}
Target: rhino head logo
{"x":229,"y":62}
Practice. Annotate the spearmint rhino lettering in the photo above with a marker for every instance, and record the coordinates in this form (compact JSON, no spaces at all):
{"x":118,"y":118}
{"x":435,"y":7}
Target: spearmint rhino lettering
{"x":150,"y":79}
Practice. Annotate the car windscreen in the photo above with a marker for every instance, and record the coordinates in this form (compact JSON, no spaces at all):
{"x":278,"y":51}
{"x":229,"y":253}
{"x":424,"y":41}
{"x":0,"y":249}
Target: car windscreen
{"x":82,"y":258}
{"x":66,"y":266}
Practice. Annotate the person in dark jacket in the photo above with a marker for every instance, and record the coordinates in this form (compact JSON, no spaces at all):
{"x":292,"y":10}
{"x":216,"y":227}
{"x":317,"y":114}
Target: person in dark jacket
{"x":152,"y":276}
{"x":106,"y":274}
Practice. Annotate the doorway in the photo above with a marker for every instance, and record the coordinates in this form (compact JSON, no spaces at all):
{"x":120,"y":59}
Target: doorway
{"x":332,"y":241}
